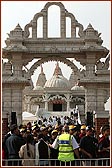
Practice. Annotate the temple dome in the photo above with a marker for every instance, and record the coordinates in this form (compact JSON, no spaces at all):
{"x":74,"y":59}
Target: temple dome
{"x":57,"y":80}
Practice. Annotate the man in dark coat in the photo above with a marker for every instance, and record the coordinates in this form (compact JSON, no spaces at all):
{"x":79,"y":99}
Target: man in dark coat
{"x":87,"y":146}
{"x":13,"y":144}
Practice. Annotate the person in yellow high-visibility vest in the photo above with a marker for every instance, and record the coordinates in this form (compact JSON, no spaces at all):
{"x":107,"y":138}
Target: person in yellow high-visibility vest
{"x":67,"y":146}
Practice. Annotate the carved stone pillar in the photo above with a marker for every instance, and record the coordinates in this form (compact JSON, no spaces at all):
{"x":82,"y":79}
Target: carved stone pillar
{"x":63,"y":24}
{"x":17,"y":69}
{"x":68,"y":105}
{"x":73,"y":29}
{"x":100,"y":100}
{"x":68,"y":101}
{"x":46,"y":102}
{"x":17,"y":65}
{"x":90,"y":65}
{"x":34,"y":29}
{"x":90,"y":99}
{"x":46,"y":105}
{"x":45,"y":24}
{"x":28,"y":103}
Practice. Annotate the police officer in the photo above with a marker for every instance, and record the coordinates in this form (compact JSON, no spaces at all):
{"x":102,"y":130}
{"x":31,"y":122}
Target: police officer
{"x":67,"y":146}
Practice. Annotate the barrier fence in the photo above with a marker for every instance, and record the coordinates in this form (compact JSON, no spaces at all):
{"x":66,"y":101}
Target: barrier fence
{"x":55,"y":162}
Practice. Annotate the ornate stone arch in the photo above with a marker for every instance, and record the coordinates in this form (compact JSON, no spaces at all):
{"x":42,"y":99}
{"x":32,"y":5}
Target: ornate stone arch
{"x":71,"y":16}
{"x":47,"y":59}
{"x":62,"y":19}
{"x":74,"y":24}
{"x":88,"y":50}
{"x":26,"y":30}
{"x":54,"y":3}
{"x":37,"y":15}
{"x":44,"y":13}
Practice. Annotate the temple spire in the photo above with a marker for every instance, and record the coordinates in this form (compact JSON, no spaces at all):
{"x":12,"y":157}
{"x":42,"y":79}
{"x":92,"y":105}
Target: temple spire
{"x":57,"y":70}
{"x":41,"y":69}
{"x":41,"y":78}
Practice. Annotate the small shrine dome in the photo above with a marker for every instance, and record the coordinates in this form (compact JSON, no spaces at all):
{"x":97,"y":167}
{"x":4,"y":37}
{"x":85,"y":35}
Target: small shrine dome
{"x":78,"y":88}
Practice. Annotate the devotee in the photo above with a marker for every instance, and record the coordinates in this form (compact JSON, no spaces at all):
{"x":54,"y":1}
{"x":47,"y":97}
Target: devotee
{"x":27,"y":152}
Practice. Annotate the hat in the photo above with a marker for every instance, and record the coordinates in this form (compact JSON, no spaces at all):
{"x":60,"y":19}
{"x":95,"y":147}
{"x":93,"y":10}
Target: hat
{"x":56,"y":126}
{"x":88,"y":128}
{"x":71,"y":127}
{"x":83,"y":127}
{"x":22,"y":130}
{"x":54,"y":131}
{"x":33,"y":127}
{"x":28,"y":131}
{"x":43,"y":128}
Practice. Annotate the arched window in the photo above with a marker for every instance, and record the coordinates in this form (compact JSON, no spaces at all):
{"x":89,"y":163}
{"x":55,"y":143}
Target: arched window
{"x":40,"y":27}
{"x":77,"y":31}
{"x":68,"y":27}
{"x":53,"y":21}
{"x":30,"y":30}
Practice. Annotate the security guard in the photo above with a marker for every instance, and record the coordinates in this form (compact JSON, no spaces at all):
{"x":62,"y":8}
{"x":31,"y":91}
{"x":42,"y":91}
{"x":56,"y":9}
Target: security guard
{"x":67,"y":146}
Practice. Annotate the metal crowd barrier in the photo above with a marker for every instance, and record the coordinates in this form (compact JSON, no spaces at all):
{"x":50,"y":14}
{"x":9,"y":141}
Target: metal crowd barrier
{"x":54,"y":162}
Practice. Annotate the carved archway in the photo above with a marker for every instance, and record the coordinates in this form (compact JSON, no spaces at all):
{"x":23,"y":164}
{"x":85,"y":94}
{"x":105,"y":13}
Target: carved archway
{"x":47,"y":59}
{"x":63,"y":14}
{"x":87,"y":49}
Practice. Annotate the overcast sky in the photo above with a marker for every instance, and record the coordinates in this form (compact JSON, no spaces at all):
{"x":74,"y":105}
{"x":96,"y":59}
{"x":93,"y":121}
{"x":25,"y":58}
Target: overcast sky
{"x":98,"y":13}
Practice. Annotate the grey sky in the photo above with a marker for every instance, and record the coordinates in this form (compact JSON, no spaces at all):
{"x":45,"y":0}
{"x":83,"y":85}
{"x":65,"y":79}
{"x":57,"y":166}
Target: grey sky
{"x":98,"y":13}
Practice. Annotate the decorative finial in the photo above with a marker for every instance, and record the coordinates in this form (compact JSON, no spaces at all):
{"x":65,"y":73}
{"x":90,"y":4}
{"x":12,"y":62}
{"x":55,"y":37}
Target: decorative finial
{"x":18,"y":27}
{"x":57,"y":69}
{"x":89,"y":26}
{"x":41,"y":69}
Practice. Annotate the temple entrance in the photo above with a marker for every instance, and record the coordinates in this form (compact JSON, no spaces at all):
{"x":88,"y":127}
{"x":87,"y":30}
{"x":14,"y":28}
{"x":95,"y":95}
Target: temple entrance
{"x":57,"y":107}
{"x":59,"y":94}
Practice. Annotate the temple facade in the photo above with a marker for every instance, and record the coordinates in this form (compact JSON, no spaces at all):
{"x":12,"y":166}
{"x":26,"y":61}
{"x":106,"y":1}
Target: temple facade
{"x":88,"y":88}
{"x":54,"y":97}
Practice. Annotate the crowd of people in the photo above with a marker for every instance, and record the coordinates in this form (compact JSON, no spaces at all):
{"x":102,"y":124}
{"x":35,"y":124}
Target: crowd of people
{"x":53,"y":120}
{"x":58,"y":141}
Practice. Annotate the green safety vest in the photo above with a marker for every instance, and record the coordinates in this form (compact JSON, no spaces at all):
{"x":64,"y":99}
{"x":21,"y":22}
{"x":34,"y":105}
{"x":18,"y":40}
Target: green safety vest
{"x":66,"y":152}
